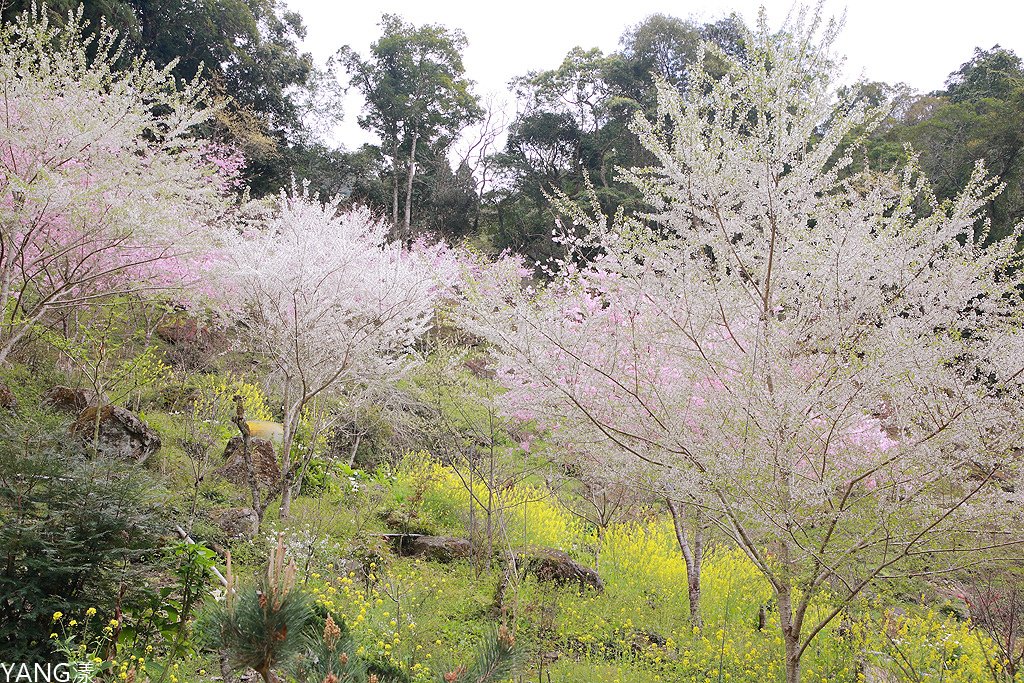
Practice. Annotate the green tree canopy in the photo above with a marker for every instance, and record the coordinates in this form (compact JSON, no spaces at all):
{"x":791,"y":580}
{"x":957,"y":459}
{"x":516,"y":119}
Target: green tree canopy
{"x":417,"y":97}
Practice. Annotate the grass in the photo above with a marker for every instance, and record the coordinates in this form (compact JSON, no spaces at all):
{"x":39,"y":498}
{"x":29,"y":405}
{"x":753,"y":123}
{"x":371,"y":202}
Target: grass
{"x":423,"y":619}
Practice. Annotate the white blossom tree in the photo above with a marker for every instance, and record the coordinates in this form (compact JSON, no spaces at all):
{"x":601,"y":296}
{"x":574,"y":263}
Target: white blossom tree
{"x":329,"y":303}
{"x":104,"y":187}
{"x":827,"y":363}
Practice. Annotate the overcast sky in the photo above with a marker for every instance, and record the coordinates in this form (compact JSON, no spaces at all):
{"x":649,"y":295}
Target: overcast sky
{"x":918,"y":42}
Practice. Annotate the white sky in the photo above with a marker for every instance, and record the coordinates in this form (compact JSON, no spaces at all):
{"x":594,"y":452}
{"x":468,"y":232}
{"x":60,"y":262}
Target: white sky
{"x":918,"y":42}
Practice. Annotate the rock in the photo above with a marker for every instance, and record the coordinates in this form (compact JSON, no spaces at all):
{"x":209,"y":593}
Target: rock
{"x":122,"y":434}
{"x":264,"y":462}
{"x":443,"y":549}
{"x":66,"y":399}
{"x":872,"y":673}
{"x":241,"y":523}
{"x":480,"y":367}
{"x":405,"y":521}
{"x":643,"y":640}
{"x":548,"y":564}
{"x":184,"y":332}
{"x":190,"y":346}
{"x":7,"y":399}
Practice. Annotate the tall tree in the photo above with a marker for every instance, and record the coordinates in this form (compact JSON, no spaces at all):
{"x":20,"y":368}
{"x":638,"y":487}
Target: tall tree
{"x":574,"y":122}
{"x":980,"y":115}
{"x":416,"y":96}
{"x":104,"y":186}
{"x":994,"y":73}
{"x":329,"y":303}
{"x":833,"y":368}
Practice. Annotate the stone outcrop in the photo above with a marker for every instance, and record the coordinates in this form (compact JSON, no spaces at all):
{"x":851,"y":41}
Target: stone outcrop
{"x":548,"y":564}
{"x":264,"y":463}
{"x":122,"y":434}
{"x":7,"y":399}
{"x":66,"y":399}
{"x":443,"y":549}
{"x":236,"y":523}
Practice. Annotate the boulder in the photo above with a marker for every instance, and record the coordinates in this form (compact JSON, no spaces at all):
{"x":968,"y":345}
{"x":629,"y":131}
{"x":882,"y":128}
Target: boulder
{"x":443,"y":549}
{"x":182,"y":332}
{"x":264,"y":463}
{"x":236,"y":523}
{"x":7,"y":399}
{"x":66,"y":399}
{"x":548,"y":564}
{"x":480,"y":367}
{"x":122,"y":434}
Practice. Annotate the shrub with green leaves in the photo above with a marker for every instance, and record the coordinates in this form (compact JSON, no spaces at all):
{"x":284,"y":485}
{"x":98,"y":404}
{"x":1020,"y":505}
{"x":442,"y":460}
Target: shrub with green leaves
{"x":73,"y":532}
{"x":330,"y":654}
{"x":262,"y":626}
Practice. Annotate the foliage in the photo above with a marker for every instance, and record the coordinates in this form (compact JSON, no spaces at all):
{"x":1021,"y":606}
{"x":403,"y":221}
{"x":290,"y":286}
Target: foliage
{"x":107,"y":352}
{"x":417,"y":97}
{"x":248,"y":52}
{"x":978,"y":116}
{"x":74,"y":533}
{"x":527,"y":515}
{"x":821,"y":360}
{"x":573,"y":125}
{"x":215,"y":393}
{"x":149,"y":642}
{"x":331,"y":652}
{"x":262,"y":627}
{"x":494,"y":660}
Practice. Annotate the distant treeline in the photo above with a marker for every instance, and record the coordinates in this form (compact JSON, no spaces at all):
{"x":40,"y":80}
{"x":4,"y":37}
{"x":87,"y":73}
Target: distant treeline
{"x":451,"y":163}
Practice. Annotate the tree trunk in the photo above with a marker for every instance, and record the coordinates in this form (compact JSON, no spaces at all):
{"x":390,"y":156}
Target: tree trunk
{"x":225,"y":667}
{"x":286,"y":477}
{"x":250,"y":471}
{"x":291,"y":417}
{"x":693,"y":556}
{"x":394,"y":185}
{"x":266,"y":674}
{"x":407,"y":225}
{"x":792,"y":659}
{"x":788,"y":625}
{"x":355,"y":450}
{"x":490,"y":501}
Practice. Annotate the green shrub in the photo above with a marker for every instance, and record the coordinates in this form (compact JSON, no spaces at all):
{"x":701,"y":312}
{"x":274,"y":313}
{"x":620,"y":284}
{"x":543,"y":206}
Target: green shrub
{"x":73,"y":533}
{"x":263,"y":626}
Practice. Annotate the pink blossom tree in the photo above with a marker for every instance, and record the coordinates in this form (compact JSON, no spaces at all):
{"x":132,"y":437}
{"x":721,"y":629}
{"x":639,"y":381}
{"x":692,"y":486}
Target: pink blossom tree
{"x":104,"y":187}
{"x":329,"y":304}
{"x":828,"y":364}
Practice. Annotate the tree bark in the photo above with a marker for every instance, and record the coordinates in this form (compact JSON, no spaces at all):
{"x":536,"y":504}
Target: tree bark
{"x":250,"y":471}
{"x":355,"y":450}
{"x":788,"y":621}
{"x":407,"y":224}
{"x":792,"y":658}
{"x":394,"y":184}
{"x":693,"y":556}
{"x":291,"y":417}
